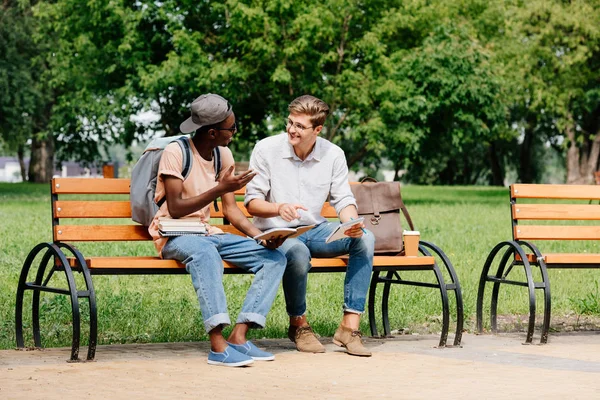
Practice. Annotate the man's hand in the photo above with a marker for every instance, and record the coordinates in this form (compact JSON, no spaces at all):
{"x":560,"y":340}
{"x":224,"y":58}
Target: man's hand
{"x":230,"y":182}
{"x":273,"y":243}
{"x":289,"y":212}
{"x":355,"y":231}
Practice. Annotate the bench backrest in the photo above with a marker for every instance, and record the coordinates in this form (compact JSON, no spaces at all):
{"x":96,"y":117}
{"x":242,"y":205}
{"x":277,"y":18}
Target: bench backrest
{"x":555,"y":205}
{"x":111,"y":218}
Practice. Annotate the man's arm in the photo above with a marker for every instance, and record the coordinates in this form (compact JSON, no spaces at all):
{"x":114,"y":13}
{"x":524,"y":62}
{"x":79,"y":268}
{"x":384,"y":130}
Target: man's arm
{"x":256,"y":193}
{"x":350,"y":213}
{"x":264,"y":209}
{"x":180,"y":207}
{"x":237,"y":218}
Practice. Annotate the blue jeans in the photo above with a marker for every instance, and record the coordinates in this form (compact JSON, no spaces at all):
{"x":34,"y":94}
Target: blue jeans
{"x":203,"y":258}
{"x":300,"y":250}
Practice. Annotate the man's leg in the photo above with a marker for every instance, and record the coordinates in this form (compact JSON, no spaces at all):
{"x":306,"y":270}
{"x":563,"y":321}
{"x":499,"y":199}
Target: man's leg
{"x":268,"y":267}
{"x":356,"y":283}
{"x":202,"y":261}
{"x":294,"y":288}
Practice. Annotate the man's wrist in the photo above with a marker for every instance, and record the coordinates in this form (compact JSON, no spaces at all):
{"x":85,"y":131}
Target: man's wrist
{"x":278,"y":208}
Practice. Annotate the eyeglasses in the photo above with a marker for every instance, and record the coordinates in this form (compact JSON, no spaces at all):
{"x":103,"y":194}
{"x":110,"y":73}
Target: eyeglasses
{"x":297,"y":126}
{"x":232,"y":129}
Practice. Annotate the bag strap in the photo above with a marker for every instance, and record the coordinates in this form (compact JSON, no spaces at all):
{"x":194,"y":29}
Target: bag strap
{"x":405,"y":212}
{"x":368,"y":179}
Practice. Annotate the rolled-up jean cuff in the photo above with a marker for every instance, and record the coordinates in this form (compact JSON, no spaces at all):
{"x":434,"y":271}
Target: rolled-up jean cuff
{"x":216,"y":320}
{"x":349,"y":310}
{"x":257,"y":321}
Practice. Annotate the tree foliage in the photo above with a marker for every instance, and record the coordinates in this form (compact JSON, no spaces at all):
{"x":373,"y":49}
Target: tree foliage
{"x":454,"y":92}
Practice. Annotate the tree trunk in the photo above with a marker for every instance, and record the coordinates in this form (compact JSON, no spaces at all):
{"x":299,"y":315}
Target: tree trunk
{"x":41,"y":165}
{"x":526,"y":171}
{"x":573,"y":157}
{"x":21,"y":156}
{"x":497,"y":178}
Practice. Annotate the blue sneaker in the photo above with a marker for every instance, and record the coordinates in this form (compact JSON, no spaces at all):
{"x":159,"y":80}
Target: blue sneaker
{"x":229,"y":358}
{"x":251,"y":350}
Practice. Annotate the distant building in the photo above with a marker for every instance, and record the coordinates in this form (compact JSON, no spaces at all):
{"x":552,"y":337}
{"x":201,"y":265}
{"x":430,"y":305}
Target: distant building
{"x":10,"y":171}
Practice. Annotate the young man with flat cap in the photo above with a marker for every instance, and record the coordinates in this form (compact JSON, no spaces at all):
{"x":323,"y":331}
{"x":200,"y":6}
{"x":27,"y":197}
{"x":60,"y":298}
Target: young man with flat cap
{"x":297,"y":172}
{"x":213,"y":121}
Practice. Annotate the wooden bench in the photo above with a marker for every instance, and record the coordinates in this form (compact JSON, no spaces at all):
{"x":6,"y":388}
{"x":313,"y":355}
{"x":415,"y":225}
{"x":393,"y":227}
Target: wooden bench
{"x":535,"y":212}
{"x":114,"y":224}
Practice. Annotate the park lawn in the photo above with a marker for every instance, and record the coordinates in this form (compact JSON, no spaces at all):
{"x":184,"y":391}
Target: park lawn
{"x":466,"y":222}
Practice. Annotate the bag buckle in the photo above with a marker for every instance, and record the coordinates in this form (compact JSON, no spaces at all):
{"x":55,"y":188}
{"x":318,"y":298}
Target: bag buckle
{"x":375,"y":220}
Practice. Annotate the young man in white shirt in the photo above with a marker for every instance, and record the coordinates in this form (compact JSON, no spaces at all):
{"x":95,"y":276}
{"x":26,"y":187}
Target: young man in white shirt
{"x":296,"y":172}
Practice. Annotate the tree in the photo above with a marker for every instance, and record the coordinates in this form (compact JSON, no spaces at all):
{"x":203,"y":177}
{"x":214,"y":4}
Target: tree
{"x":553,"y":53}
{"x":25,"y":102}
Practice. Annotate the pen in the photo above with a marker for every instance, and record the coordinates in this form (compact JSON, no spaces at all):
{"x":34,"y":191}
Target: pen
{"x":362,"y":229}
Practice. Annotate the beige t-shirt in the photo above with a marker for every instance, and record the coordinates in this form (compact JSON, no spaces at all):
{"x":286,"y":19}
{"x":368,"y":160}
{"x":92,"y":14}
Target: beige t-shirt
{"x":200,"y":179}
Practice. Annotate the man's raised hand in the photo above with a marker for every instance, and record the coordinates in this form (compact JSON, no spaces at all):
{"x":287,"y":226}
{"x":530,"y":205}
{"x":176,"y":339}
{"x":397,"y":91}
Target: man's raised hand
{"x":231,"y":182}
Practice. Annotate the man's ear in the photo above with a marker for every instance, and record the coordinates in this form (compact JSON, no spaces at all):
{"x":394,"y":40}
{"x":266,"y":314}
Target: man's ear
{"x":212,"y":133}
{"x":318,"y":129}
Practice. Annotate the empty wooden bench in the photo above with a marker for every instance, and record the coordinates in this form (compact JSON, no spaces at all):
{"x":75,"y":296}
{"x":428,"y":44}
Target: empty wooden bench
{"x":70,"y":222}
{"x":540,"y":213}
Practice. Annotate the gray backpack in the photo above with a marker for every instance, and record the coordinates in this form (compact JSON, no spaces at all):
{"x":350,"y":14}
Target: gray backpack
{"x":144,"y":175}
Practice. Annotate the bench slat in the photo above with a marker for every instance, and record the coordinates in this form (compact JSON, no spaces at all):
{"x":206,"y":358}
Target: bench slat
{"x":556,"y":212}
{"x":566,"y":258}
{"x":90,"y":186}
{"x":556,"y":232}
{"x":100,"y":233}
{"x":572,"y":192}
{"x":92,"y":209}
{"x":111,"y":233}
{"x":155,"y":262}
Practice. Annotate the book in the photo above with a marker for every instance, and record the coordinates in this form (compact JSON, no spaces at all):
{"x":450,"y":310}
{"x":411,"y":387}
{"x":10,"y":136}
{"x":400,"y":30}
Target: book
{"x":180,"y":233}
{"x":166,"y":221}
{"x":338,"y":233}
{"x":275,"y":233}
{"x":180,"y":226}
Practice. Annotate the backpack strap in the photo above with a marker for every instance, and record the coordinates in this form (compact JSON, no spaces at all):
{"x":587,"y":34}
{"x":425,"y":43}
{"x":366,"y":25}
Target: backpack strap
{"x":217,"y":161}
{"x":186,"y":162}
{"x":187,"y":156}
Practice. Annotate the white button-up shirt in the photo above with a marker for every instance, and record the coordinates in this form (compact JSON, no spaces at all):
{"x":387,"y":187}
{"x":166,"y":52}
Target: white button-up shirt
{"x":282,"y":177}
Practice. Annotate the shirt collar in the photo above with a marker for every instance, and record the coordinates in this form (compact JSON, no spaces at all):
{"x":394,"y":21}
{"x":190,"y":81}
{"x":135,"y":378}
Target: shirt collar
{"x":316,"y":153}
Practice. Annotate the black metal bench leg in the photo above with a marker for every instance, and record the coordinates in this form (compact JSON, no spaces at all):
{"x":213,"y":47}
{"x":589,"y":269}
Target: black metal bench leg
{"x":372,"y":295}
{"x":385,"y":304}
{"x":52,"y":251}
{"x":424,"y":246}
{"x":445,"y":307}
{"x":531,"y":290}
{"x":91,"y":295}
{"x":545,"y":286}
{"x":22,"y":286}
{"x":496,"y":290}
{"x":547,"y":303}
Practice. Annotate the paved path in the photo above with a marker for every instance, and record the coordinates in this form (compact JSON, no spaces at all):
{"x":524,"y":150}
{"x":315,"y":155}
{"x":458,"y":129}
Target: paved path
{"x":407,"y":367}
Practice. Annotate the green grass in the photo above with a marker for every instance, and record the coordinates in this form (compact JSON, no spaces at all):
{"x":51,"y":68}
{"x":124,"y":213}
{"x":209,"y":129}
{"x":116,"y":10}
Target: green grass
{"x":466,"y":222}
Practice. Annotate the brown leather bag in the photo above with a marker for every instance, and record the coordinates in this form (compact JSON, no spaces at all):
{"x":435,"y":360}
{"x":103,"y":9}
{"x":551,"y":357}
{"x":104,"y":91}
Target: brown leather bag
{"x":380,"y":204}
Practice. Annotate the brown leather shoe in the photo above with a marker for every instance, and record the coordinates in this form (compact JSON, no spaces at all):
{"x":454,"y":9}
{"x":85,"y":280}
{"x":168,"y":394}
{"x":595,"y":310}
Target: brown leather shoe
{"x":305,"y":339}
{"x":351,"y":340}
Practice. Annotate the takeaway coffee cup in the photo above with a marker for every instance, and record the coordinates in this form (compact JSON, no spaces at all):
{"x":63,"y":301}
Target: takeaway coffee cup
{"x":411,"y":242}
